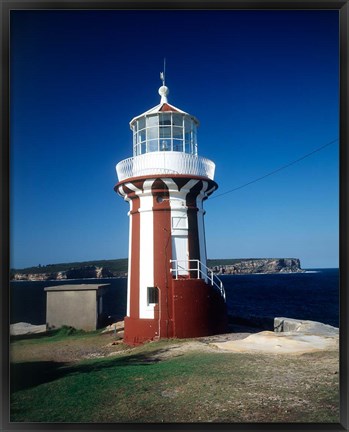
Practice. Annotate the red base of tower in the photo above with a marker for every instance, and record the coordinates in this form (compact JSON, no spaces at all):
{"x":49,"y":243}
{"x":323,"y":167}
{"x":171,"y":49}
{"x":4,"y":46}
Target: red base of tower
{"x":199,"y":309}
{"x":196,"y":309}
{"x":138,"y":331}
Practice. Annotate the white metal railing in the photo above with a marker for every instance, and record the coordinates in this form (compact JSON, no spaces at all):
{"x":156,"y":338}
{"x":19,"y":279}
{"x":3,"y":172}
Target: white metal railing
{"x":164,"y":162}
{"x":201,"y":271}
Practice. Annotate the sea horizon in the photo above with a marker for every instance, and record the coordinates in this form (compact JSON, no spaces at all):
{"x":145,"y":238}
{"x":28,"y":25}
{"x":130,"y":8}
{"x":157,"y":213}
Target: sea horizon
{"x":312,"y":295}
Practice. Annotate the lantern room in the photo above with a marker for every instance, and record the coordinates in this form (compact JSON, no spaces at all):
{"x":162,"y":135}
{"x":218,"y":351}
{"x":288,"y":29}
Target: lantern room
{"x":164,"y":142}
{"x":164,"y":128}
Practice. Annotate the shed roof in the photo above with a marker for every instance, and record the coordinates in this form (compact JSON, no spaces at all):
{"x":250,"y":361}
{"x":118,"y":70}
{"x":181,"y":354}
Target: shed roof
{"x":78,"y":287}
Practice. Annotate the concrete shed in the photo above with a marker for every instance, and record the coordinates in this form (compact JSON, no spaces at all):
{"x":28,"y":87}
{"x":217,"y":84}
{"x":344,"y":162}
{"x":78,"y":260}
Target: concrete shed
{"x":78,"y":306}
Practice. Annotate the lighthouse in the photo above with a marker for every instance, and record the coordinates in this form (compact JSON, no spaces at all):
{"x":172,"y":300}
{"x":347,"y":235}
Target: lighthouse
{"x":170,"y":290}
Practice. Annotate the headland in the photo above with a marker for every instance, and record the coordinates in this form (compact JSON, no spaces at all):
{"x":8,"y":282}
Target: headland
{"x":118,"y":268}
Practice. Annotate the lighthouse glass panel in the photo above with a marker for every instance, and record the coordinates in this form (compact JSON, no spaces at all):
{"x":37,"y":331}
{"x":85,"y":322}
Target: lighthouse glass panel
{"x":152,"y":121}
{"x":164,"y":132}
{"x":177,"y":120}
{"x":165,"y":119}
{"x":141,"y":123}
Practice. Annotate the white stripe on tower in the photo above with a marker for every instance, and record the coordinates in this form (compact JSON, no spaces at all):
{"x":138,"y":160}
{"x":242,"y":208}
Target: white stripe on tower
{"x":146,"y":252}
{"x":210,"y":191}
{"x":121,"y":190}
{"x":201,"y":226}
{"x":179,"y":221}
{"x":190,"y":184}
{"x":179,"y":225}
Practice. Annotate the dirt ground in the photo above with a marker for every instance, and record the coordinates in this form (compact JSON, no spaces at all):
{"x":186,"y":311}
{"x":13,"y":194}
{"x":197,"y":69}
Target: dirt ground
{"x":110,"y":343}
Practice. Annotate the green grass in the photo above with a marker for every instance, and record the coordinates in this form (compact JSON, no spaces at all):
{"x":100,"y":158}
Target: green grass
{"x":52,"y":336}
{"x":192,"y":387}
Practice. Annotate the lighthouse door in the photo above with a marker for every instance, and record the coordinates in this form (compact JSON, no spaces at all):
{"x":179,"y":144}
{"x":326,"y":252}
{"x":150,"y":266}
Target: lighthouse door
{"x":180,"y":254}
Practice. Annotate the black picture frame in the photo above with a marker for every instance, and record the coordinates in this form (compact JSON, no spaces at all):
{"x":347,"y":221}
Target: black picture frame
{"x":342,"y":7}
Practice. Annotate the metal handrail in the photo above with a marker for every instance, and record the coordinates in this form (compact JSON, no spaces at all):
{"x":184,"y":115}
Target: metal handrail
{"x":207,"y":274}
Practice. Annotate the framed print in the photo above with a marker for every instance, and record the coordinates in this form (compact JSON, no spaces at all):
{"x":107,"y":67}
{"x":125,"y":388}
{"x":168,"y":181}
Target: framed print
{"x":174,"y":213}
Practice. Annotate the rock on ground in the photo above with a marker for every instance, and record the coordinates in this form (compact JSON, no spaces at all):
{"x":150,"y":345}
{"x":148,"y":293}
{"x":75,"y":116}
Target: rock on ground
{"x":291,"y":336}
{"x":23,"y":328}
{"x":115,"y":327}
{"x":280,"y":343}
{"x":303,"y":326}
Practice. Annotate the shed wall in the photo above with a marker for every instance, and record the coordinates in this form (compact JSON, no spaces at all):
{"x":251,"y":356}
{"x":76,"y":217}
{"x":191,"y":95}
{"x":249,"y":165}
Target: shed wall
{"x":77,"y":309}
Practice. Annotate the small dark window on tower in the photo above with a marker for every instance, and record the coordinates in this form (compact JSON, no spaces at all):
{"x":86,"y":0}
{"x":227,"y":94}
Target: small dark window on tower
{"x":153,"y":295}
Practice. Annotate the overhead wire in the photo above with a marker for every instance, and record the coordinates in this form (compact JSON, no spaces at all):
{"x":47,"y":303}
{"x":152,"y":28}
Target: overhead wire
{"x":276,"y":170}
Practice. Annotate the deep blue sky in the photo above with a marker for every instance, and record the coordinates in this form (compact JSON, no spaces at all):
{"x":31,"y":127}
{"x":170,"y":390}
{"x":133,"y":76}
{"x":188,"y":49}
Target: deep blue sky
{"x":264,"y":85}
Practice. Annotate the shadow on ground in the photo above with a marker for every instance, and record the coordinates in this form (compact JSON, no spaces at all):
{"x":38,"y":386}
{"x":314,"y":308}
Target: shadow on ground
{"x":25,"y":375}
{"x":31,"y":374}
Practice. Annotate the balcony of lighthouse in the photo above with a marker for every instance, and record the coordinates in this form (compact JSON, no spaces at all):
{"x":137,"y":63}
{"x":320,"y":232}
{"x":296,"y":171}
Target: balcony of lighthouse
{"x":165,"y":163}
{"x":165,"y":143}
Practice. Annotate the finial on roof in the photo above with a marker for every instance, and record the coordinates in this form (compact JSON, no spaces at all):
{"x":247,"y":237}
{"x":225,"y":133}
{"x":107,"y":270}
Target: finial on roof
{"x":163,"y":90}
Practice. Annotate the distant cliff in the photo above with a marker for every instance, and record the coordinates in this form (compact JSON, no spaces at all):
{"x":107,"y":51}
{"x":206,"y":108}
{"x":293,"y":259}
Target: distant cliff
{"x":85,"y":272}
{"x":223,"y":266}
{"x":260,"y":265}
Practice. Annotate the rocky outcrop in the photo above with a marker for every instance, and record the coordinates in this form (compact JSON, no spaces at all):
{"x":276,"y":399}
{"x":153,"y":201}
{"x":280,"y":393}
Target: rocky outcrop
{"x":88,"y":272}
{"x":267,"y":265}
{"x":303,"y":326}
{"x":282,"y":343}
{"x":34,"y":276}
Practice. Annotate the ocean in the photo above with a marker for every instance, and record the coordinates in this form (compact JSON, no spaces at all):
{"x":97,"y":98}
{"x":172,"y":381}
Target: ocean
{"x":313,"y":295}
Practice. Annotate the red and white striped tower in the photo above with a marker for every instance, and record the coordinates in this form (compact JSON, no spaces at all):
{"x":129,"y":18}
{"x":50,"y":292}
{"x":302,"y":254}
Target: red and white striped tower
{"x":170,"y":291}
